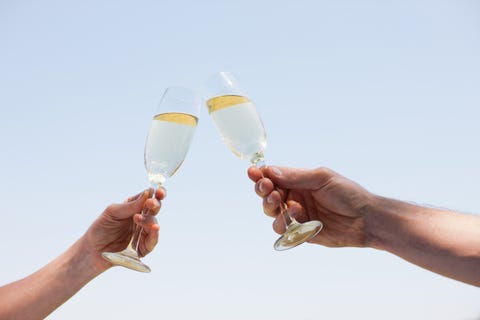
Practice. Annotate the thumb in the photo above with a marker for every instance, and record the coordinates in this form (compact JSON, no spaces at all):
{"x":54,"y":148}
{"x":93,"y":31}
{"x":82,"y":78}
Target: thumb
{"x":132,"y":206}
{"x":294,"y":178}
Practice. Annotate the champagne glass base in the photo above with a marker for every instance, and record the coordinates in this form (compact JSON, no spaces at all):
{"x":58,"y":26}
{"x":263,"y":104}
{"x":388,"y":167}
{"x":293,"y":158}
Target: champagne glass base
{"x":297,"y":233}
{"x":127,"y":260}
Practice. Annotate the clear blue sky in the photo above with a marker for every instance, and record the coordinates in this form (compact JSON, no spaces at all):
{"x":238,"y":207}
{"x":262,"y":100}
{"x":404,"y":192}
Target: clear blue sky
{"x":384,"y":92}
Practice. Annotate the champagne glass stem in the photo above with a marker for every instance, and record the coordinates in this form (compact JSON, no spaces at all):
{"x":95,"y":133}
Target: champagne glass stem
{"x":259,"y":162}
{"x":135,"y":241}
{"x":286,"y":216}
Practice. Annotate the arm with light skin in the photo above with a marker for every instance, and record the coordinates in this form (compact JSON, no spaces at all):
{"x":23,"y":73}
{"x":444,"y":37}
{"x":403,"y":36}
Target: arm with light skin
{"x":442,"y":241}
{"x":39,"y":294}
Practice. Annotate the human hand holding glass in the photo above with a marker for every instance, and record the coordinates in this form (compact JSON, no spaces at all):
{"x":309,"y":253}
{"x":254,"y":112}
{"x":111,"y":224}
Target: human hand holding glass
{"x":242,"y":130}
{"x":168,"y":141}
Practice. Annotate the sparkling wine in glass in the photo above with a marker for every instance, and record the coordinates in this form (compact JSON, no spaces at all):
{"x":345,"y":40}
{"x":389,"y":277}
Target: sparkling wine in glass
{"x":168,"y":140}
{"x":242,"y":130}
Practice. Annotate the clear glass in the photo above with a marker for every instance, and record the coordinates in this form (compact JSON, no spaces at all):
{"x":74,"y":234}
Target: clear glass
{"x":167,"y":144}
{"x":242,"y":130}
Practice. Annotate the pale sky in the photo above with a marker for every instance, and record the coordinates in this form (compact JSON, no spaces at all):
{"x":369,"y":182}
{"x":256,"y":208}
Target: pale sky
{"x":384,"y":92}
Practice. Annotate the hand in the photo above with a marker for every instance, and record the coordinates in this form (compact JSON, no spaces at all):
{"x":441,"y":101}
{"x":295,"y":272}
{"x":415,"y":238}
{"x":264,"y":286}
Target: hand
{"x":318,"y":194}
{"x":114,"y":228}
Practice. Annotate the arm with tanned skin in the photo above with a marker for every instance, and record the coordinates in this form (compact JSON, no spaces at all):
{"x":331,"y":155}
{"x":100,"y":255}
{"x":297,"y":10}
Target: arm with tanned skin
{"x":445,"y":242}
{"x":39,"y":294}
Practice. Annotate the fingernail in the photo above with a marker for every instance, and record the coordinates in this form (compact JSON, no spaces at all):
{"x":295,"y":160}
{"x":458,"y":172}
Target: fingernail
{"x":261,"y":187}
{"x":269,"y":199}
{"x":276,"y":171}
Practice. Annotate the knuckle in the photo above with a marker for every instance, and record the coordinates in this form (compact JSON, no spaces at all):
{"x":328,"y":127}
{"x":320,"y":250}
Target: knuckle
{"x":109,"y":210}
{"x":323,"y":175}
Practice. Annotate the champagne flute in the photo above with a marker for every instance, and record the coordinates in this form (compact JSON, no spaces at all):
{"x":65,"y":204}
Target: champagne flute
{"x":168,"y":140}
{"x":242,"y":130}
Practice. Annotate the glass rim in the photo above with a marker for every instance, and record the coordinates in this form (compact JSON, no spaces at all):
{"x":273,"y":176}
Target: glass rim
{"x":180,"y":99}
{"x":221,"y":83}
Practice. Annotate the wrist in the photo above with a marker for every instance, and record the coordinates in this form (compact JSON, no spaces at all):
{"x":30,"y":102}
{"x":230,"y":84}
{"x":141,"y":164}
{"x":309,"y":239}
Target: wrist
{"x":388,"y":221}
{"x":381,"y":218}
{"x":91,"y":259}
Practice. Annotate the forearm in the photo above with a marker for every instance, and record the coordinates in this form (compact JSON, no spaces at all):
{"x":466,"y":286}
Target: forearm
{"x":441,"y":241}
{"x":37,"y":295}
